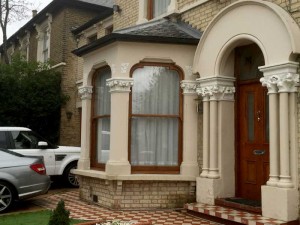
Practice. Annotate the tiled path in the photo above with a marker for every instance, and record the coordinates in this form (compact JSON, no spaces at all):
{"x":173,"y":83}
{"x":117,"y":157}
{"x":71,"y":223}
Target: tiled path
{"x":233,"y":215}
{"x":85,"y":211}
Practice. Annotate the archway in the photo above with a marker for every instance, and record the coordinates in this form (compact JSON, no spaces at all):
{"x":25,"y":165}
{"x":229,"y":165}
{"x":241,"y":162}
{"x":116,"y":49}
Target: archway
{"x":275,"y":33}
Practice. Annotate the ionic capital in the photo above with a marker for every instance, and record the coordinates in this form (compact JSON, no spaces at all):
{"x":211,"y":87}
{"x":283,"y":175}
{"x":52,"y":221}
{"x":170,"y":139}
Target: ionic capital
{"x":85,"y":92}
{"x":119,"y":84}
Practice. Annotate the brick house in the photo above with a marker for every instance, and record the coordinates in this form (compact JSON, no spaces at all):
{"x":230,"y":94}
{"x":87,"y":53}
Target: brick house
{"x":192,"y":100}
{"x":47,"y":36}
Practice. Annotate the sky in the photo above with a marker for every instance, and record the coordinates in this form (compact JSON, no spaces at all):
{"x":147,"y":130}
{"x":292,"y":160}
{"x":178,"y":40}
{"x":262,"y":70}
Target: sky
{"x":33,"y":4}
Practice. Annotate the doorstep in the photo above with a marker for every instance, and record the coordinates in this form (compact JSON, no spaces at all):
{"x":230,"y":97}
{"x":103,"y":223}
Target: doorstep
{"x":227,"y":215}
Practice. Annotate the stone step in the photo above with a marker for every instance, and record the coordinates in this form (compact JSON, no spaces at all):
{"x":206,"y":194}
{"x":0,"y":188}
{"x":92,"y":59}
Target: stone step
{"x":232,"y":216}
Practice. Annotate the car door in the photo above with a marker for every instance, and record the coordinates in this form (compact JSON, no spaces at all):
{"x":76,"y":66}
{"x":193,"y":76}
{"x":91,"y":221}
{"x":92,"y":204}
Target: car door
{"x":26,"y":143}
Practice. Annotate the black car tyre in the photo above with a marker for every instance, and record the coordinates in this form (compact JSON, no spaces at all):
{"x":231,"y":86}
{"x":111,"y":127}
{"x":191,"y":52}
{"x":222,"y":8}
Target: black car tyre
{"x":6,"y":196}
{"x":69,"y":177}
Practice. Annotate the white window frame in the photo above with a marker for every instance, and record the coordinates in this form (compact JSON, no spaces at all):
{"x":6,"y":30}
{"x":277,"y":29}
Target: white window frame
{"x":43,"y":47}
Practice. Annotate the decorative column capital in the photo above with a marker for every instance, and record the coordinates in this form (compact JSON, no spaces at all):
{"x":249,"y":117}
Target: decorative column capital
{"x":189,"y":87}
{"x":281,"y":77}
{"x":271,"y":83}
{"x":85,"y":92}
{"x":217,"y":88}
{"x":119,"y":84}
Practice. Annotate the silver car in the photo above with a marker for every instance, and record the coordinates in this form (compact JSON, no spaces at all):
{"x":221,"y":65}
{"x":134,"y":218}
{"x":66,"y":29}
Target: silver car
{"x":21,"y":177}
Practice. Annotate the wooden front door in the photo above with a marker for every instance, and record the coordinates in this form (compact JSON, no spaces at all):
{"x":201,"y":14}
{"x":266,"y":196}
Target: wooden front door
{"x":252,"y":125}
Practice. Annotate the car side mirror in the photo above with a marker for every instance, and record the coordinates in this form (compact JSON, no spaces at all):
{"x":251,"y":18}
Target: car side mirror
{"x":42,"y":144}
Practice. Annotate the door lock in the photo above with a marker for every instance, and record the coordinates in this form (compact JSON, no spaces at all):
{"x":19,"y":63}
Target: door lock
{"x":258,"y":115}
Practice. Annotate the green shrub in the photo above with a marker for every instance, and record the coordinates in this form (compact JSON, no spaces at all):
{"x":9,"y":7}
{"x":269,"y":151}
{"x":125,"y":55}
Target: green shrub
{"x":31,"y":97}
{"x":60,"y":216}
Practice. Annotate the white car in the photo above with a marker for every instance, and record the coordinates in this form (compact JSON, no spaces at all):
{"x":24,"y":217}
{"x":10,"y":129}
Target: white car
{"x":59,"y":160}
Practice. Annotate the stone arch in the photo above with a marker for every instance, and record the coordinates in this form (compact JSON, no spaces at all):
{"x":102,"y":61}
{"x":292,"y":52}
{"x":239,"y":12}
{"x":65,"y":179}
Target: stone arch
{"x":93,"y":69}
{"x":276,"y":33}
{"x":272,"y":29}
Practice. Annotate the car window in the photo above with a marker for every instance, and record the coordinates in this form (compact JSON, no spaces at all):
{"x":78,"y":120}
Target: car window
{"x":24,"y":139}
{"x":3,"y":142}
{"x":28,"y":140}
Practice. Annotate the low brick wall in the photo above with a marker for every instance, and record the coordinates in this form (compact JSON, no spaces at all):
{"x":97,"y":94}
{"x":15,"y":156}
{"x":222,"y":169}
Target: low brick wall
{"x":137,"y":194}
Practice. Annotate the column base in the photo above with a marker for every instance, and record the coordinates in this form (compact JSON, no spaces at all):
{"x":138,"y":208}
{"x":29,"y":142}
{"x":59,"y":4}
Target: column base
{"x":273,"y":181}
{"x":84,"y":164}
{"x":208,"y":190}
{"x":280,"y":203}
{"x":189,"y":169}
{"x":117,"y":168}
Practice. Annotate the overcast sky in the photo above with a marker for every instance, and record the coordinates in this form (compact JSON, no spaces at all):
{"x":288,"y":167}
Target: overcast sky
{"x":33,"y":4}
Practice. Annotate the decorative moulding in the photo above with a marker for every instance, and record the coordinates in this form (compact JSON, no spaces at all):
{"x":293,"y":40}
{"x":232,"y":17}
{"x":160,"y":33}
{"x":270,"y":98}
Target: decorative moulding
{"x":124,"y":67}
{"x":119,"y":84}
{"x":282,"y":77}
{"x":219,"y":88}
{"x":189,"y":87}
{"x":85,"y":92}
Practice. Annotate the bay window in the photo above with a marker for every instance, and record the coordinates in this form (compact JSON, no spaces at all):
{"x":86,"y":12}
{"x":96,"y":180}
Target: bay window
{"x":100,"y":119}
{"x":156,"y":119}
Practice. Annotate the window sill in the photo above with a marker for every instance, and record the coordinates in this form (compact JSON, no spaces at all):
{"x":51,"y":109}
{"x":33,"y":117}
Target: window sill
{"x":158,"y":177}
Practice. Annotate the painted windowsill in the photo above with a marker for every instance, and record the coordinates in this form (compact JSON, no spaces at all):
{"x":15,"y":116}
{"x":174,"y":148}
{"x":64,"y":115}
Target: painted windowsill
{"x":158,"y":177}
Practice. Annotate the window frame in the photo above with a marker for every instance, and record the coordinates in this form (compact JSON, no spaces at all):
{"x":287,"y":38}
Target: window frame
{"x":94,"y":119}
{"x":158,"y":169}
{"x":150,"y":10}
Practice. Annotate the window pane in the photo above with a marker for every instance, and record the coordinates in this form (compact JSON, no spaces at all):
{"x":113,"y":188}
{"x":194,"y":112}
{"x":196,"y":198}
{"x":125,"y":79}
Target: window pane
{"x":103,"y":140}
{"x":24,"y":140}
{"x":3,"y":142}
{"x":155,"y":91}
{"x":250,"y":106}
{"x":102,"y":94}
{"x":154,"y":141}
{"x":160,"y":7}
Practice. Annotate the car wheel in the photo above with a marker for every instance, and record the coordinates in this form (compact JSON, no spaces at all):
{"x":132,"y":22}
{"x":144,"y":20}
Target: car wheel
{"x":69,"y":177}
{"x":6,"y":196}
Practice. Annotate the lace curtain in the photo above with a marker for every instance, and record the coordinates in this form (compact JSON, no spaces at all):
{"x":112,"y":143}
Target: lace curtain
{"x":155,"y":117}
{"x":160,"y":7}
{"x":102,"y":111}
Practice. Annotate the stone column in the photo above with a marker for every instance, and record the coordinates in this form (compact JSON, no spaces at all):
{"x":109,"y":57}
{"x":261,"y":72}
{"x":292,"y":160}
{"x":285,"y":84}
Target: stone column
{"x":206,"y":120}
{"x":118,"y":163}
{"x":213,"y":140}
{"x":280,"y":199}
{"x":189,"y":165}
{"x":286,"y":84}
{"x":273,"y":130}
{"x":86,"y":96}
{"x":217,"y":177}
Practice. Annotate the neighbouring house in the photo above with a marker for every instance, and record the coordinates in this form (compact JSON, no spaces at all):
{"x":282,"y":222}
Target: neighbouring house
{"x":192,"y":100}
{"x":46,"y":37}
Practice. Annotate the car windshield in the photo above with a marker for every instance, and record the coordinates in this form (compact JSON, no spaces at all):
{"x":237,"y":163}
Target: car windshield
{"x":28,"y":139}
